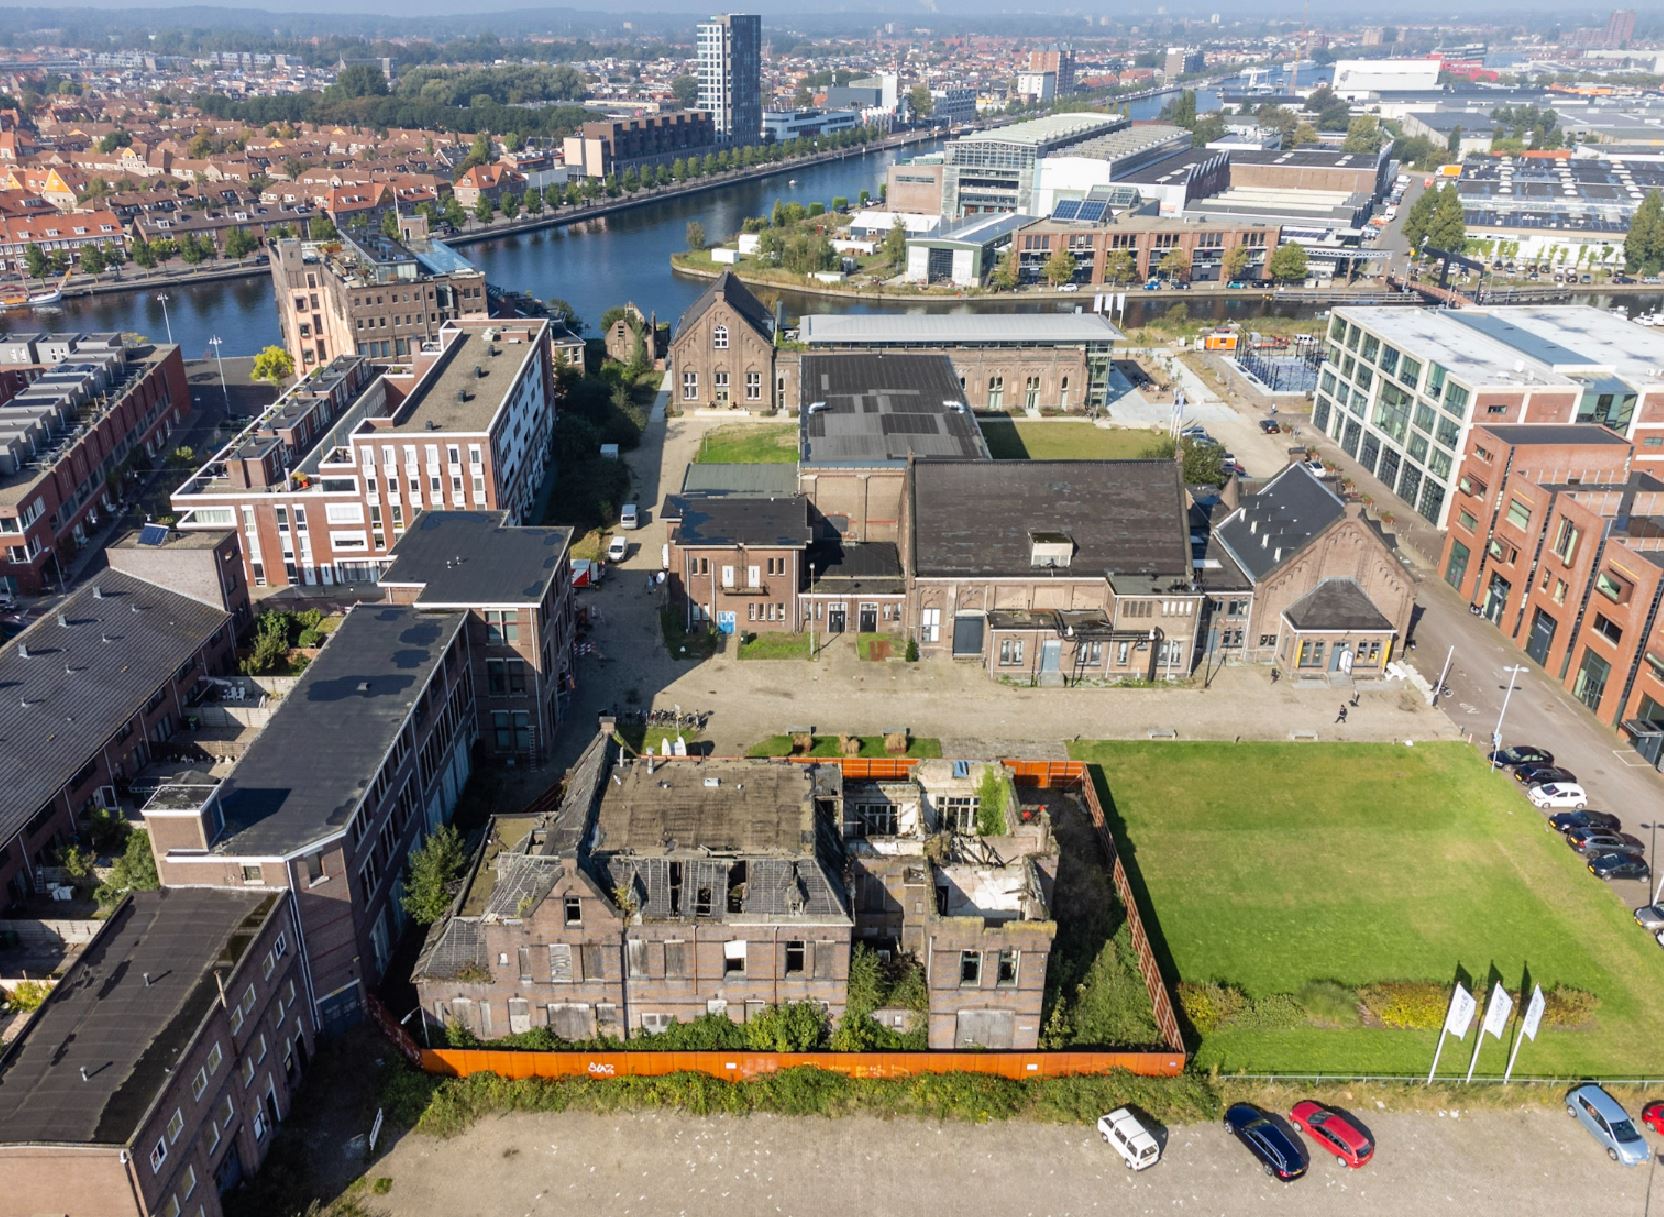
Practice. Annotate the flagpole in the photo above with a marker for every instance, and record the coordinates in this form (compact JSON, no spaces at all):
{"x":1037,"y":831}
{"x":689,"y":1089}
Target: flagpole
{"x":1513,"y":1054}
{"x":1436,"y":1051}
{"x":1478,"y":1043}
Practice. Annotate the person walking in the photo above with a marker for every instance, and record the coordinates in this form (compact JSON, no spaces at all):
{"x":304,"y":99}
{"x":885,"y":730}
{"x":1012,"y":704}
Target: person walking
{"x":1341,"y":717}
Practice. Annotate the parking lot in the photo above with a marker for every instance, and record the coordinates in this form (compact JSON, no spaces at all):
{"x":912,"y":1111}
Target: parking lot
{"x":1522,"y":1164}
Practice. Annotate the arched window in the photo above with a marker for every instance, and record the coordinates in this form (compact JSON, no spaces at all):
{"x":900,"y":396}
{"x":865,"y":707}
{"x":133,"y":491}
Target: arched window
{"x":719,"y":338}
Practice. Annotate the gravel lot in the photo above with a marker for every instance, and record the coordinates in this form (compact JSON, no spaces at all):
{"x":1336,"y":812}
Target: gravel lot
{"x":1519,"y":1164}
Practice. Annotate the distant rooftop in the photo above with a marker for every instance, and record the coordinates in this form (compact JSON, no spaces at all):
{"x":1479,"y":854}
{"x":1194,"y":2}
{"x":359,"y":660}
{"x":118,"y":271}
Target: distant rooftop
{"x":1047,"y":130}
{"x":954,"y":329}
{"x":473,"y":557}
{"x":108,"y":1040}
{"x":307,"y":770}
{"x":881,"y":409}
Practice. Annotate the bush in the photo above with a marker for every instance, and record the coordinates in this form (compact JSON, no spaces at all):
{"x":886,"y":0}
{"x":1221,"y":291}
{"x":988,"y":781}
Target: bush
{"x":793,"y":1027}
{"x":134,"y":871}
{"x":310,"y":639}
{"x":1328,"y":1003}
{"x":27,"y":995}
{"x":912,"y":650}
{"x":1408,"y":1005}
{"x":1208,"y":1007}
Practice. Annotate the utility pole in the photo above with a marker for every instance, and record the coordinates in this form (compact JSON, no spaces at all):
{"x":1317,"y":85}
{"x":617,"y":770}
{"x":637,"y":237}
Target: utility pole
{"x":162,"y":299}
{"x":225,"y":393}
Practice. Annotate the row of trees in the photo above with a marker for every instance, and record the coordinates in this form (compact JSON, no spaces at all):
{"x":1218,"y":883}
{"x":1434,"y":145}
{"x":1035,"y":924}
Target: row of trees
{"x":1287,"y":262}
{"x":1435,"y":221}
{"x":1644,"y":246}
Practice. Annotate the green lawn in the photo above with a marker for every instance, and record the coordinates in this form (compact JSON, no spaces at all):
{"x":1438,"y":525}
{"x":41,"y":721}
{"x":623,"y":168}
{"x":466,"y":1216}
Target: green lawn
{"x":1269,"y":866}
{"x":775,"y":646}
{"x":1051,"y":441}
{"x":827,"y":745}
{"x":749,"y":444}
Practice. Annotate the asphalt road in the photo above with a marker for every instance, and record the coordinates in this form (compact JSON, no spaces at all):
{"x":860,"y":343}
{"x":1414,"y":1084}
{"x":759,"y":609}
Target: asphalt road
{"x":1518,"y":1164}
{"x":1540,"y":713}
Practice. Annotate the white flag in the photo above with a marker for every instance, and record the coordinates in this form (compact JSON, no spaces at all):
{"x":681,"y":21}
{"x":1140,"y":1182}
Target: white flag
{"x":1534,"y":1014}
{"x":1460,"y":1014}
{"x":1497,"y":1011}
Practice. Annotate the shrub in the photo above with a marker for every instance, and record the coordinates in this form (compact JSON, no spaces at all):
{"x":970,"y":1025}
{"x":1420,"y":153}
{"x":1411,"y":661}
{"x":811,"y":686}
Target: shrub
{"x":793,"y":1027}
{"x":1208,"y":1007}
{"x":912,"y":650}
{"x":310,"y":639}
{"x":1328,"y":1003}
{"x":1273,"y":1012}
{"x":27,"y":995}
{"x":1408,"y":1005}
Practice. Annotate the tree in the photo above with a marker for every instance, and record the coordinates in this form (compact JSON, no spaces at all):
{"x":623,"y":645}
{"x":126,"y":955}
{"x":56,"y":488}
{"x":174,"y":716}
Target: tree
{"x":532,"y":201}
{"x":1288,"y":261}
{"x":695,"y":234}
{"x":894,"y":248}
{"x":35,"y":262}
{"x":1419,"y":217}
{"x":920,"y":100}
{"x":483,"y":210}
{"x":92,"y":259}
{"x":1120,"y":266}
{"x":434,"y":870}
{"x":1234,"y":262}
{"x":1364,"y":136}
{"x":143,"y":256}
{"x":1175,"y":264}
{"x":1009,"y":273}
{"x":1448,"y":229}
{"x":134,"y":871}
{"x":1304,"y":135}
{"x":685,"y":89}
{"x":239,"y":242}
{"x":358,"y":80}
{"x":321,"y":228}
{"x":274,"y":365}
{"x":562,"y":311}
{"x":1206,"y":129}
{"x":511,"y":206}
{"x":1644,"y":246}
{"x":1060,"y":267}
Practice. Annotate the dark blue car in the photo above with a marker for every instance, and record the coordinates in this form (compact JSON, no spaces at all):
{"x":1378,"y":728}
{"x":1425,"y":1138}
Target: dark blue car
{"x":1280,"y":1154}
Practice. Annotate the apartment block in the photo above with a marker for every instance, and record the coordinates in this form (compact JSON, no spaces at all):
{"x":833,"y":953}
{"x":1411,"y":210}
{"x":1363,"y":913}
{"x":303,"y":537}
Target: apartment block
{"x":1557,"y":538}
{"x":515,"y":583}
{"x":730,"y":69}
{"x":88,"y":722}
{"x":92,"y":410}
{"x":1402,"y":389}
{"x":154,"y":1077}
{"x":366,"y":294}
{"x":321,"y":486}
{"x":356,"y":766}
{"x":662,"y":891}
{"x":1147,"y":241}
{"x":611,"y":146}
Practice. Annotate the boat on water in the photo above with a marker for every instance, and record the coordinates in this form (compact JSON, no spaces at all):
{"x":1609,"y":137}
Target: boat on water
{"x":791,"y":181}
{"x":46,"y":299}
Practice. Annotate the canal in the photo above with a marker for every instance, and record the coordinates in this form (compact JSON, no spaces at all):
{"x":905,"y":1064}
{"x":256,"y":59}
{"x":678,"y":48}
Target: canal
{"x":623,"y":257}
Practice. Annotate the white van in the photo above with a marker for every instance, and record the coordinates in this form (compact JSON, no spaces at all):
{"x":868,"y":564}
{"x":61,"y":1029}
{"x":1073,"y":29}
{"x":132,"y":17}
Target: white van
{"x":1121,"y":1130}
{"x":629,"y":516}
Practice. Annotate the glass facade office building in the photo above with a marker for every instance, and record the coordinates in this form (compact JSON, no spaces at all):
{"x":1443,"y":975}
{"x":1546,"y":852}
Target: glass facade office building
{"x":730,"y":51}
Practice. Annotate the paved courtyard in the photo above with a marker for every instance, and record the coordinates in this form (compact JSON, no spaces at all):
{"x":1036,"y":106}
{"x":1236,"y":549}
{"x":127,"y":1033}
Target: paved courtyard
{"x":1517,"y":1164}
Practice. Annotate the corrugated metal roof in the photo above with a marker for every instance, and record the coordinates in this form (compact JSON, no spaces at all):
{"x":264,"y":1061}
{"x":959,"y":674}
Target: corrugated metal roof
{"x":946,"y":329}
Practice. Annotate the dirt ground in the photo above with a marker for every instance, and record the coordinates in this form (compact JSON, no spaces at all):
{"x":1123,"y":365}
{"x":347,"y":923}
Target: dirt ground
{"x":1528,"y":1164}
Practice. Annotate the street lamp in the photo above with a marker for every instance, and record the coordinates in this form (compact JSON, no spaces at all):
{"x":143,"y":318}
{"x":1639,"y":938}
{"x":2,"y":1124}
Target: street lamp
{"x":1513,"y":671}
{"x":224,"y":392}
{"x":162,"y":299}
{"x":1652,"y":857}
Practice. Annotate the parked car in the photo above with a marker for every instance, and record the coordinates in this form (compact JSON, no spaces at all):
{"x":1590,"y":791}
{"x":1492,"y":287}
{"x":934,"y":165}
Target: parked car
{"x":629,"y":516}
{"x":618,"y":548}
{"x":1123,"y":1133}
{"x":1608,"y":1123}
{"x":1558,"y":796}
{"x":1069,"y":287}
{"x":1652,"y":1115}
{"x":1596,"y":841}
{"x":1280,"y":1155}
{"x":1194,"y":431}
{"x":1333,"y":1132}
{"x":1270,"y":426}
{"x":1521,"y":754}
{"x":1650,"y":917}
{"x":1568,"y":820}
{"x":1542,"y":775}
{"x":1619,"y":866}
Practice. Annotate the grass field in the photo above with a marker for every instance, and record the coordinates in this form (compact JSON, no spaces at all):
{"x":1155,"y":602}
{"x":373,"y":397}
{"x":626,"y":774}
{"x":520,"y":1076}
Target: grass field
{"x":1048,"y":441}
{"x":1269,"y":866}
{"x":749,"y":444}
{"x":775,"y":646}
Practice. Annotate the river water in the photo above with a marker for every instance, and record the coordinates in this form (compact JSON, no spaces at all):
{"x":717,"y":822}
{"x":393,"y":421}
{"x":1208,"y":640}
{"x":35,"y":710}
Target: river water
{"x":623,"y":257}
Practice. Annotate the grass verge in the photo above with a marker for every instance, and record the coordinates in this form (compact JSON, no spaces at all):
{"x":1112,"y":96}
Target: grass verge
{"x":827,"y":746}
{"x":1018,"y":440}
{"x":775,"y":646}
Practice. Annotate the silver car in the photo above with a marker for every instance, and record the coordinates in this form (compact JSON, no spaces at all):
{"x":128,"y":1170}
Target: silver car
{"x":1650,"y":916}
{"x":1608,"y":1123}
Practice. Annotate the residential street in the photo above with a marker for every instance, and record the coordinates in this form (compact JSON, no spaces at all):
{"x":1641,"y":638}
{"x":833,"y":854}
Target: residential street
{"x":1516,"y":1164}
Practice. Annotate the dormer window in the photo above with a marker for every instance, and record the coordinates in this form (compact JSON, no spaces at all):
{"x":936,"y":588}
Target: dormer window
{"x":719,"y":338}
{"x":1050,"y":550}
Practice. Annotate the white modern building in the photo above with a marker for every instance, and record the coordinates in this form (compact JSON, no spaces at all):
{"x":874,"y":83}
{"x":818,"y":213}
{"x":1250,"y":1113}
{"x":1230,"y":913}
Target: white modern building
{"x":1362,"y":79}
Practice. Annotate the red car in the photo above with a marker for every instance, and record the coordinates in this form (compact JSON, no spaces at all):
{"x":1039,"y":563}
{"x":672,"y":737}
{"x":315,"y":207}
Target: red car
{"x":1652,"y":1115}
{"x":1334,"y":1133}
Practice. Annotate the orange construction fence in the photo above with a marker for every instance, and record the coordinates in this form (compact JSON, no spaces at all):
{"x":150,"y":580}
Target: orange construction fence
{"x":740,"y":1066}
